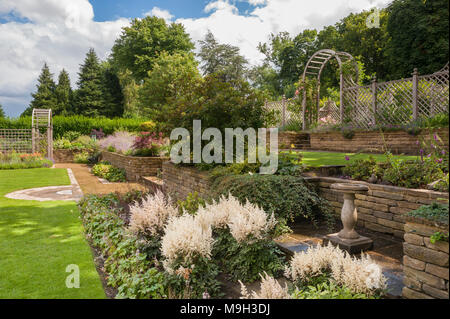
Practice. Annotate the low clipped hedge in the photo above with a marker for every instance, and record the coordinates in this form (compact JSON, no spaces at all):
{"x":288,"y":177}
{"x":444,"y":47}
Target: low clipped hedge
{"x":77,"y":123}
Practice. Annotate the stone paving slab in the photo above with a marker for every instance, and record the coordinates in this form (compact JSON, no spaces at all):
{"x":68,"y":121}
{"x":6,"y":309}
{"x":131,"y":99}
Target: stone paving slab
{"x":50,"y":193}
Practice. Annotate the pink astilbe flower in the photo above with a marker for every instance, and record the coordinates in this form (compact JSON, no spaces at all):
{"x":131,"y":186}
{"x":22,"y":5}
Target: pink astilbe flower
{"x":122,"y":141}
{"x":151,"y":216}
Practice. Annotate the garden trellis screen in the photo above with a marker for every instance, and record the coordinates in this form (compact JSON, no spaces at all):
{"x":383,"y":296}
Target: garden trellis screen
{"x":395,"y":102}
{"x":38,"y":139}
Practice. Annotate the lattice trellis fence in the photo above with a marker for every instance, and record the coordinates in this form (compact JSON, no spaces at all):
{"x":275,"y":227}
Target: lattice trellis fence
{"x":287,"y":112}
{"x":397,"y":102}
{"x":37,"y":139}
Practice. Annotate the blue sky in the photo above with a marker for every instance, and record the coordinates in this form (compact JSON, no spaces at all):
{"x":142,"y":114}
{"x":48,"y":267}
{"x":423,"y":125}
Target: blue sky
{"x":60,"y":32}
{"x":106,"y":10}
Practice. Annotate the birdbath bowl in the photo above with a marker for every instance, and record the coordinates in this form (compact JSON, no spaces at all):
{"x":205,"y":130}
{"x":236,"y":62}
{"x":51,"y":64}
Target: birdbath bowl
{"x":348,"y":239}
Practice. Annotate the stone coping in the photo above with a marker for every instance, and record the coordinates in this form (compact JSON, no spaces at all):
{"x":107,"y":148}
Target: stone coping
{"x":425,"y":221}
{"x":165,"y":158}
{"x":423,"y":193}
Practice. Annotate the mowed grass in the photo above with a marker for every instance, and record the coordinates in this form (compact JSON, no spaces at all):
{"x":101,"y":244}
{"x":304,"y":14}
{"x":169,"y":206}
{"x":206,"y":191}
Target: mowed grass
{"x":38,"y":240}
{"x":316,"y":159}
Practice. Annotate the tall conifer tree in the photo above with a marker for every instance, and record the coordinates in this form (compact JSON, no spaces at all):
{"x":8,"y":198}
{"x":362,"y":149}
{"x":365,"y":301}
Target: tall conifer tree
{"x":44,"y":97}
{"x":63,"y":93}
{"x":89,"y":99}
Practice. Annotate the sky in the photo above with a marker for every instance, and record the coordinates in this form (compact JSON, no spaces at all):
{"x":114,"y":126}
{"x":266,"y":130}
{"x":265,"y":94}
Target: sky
{"x":60,"y":32}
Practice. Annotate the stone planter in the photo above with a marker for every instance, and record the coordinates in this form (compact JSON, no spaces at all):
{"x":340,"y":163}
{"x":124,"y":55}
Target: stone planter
{"x":135,"y":167}
{"x":425,"y":265}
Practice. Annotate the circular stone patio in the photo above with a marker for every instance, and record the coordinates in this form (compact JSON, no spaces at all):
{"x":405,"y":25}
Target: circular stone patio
{"x":50,"y":193}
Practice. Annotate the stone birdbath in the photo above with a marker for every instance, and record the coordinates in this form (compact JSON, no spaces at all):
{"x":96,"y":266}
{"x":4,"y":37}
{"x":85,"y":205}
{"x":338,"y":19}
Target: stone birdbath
{"x":348,"y":239}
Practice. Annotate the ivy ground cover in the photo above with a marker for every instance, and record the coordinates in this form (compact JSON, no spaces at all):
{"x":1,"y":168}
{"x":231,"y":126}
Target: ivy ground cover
{"x":38,"y":240}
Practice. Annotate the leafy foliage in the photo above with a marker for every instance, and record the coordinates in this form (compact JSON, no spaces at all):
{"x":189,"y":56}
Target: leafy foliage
{"x":109,"y":172}
{"x":19,"y":161}
{"x":141,"y":43}
{"x":434,"y":212}
{"x":288,"y":197}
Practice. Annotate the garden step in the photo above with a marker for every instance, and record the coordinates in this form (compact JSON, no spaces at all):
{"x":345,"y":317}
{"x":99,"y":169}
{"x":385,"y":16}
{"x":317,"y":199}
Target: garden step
{"x":153,"y":183}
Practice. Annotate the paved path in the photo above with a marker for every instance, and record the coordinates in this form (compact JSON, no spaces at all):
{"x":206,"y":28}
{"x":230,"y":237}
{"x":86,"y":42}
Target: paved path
{"x":91,"y":184}
{"x":49,"y":193}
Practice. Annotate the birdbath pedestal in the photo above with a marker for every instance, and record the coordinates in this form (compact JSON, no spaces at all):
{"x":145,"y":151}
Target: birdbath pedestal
{"x":348,"y":239}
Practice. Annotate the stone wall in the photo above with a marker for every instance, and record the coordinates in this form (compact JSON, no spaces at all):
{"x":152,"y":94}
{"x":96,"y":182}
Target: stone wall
{"x":382,"y":209}
{"x":64,"y":155}
{"x":179,"y":181}
{"x":425,"y":265}
{"x":398,"y":142}
{"x":135,"y":166}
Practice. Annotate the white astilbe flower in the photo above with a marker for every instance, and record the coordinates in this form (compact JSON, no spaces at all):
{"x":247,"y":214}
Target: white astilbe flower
{"x":313,"y":262}
{"x":360,"y":275}
{"x":152,"y":214}
{"x":184,"y":237}
{"x":218,"y":214}
{"x":270,"y":289}
{"x":242,"y":220}
{"x":250,"y":220}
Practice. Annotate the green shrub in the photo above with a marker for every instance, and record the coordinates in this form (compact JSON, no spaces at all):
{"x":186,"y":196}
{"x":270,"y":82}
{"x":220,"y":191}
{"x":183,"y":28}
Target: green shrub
{"x":80,"y":124}
{"x":361,"y":169}
{"x":71,"y":135}
{"x":327,"y":289}
{"x":434,"y":212}
{"x":109,"y":172}
{"x":191,"y":204}
{"x":81,"y":158}
{"x":288,"y":197}
{"x":128,"y":267}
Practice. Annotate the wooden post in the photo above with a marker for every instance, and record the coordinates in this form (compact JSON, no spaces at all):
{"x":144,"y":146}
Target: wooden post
{"x":283,"y":110}
{"x":303,"y":110}
{"x":341,"y":99}
{"x":318,"y":101}
{"x":374,"y":102}
{"x":415,"y":84}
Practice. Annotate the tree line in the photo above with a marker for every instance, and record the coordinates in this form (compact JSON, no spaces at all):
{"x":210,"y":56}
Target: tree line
{"x":152,"y":65}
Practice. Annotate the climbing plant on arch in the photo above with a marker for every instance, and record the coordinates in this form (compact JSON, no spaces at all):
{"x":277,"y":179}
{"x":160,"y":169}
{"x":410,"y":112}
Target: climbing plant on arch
{"x":309,"y":85}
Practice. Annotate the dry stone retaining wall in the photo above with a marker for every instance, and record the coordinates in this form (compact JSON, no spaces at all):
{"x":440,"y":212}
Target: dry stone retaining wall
{"x":179,"y":181}
{"x":382,"y":209}
{"x":134,"y":166}
{"x":398,"y":142}
{"x":64,"y":155}
{"x":425,"y":265}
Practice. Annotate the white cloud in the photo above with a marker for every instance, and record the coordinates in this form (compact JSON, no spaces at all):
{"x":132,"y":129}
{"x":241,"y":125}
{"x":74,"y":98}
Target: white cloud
{"x":270,"y":16}
{"x":58,"y":32}
{"x":160,"y":13}
{"x":61,"y":31}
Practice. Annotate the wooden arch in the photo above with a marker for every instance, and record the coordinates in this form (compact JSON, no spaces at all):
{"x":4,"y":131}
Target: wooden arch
{"x":42,"y":118}
{"x":314,"y":68}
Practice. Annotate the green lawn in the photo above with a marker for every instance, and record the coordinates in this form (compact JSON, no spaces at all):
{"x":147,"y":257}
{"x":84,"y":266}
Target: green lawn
{"x":39,"y":239}
{"x":316,"y":159}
